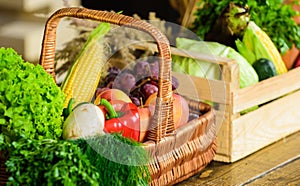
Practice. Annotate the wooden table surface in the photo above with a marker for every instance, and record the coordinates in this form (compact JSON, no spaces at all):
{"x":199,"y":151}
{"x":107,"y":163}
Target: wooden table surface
{"x":276,"y":164}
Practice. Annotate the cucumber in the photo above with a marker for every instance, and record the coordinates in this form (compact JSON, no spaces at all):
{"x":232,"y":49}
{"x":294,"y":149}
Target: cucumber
{"x":264,"y":68}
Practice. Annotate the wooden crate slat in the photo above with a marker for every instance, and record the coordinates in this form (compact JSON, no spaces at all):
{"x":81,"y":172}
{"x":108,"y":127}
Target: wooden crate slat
{"x":267,"y":90}
{"x":204,"y":89}
{"x":265,"y":125}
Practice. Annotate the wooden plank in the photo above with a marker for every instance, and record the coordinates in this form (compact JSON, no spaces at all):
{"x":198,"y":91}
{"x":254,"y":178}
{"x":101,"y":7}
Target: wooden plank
{"x":267,"y":90}
{"x":265,"y":125}
{"x":285,"y":174}
{"x":240,"y":172}
{"x":203,"y":89}
{"x":224,"y":135}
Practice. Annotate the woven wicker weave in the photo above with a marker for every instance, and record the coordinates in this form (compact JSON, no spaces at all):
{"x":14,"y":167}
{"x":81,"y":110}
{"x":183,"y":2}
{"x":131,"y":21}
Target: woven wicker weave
{"x":176,"y":154}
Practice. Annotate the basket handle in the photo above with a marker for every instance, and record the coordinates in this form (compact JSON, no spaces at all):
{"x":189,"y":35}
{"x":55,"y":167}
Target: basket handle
{"x":162,"y":122}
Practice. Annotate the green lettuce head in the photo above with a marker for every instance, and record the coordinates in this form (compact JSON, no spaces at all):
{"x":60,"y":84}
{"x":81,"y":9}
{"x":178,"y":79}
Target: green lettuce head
{"x":30,"y":101}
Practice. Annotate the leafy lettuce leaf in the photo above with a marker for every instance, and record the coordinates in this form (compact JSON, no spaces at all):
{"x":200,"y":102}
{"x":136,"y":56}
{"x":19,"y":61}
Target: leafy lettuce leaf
{"x":30,"y":101}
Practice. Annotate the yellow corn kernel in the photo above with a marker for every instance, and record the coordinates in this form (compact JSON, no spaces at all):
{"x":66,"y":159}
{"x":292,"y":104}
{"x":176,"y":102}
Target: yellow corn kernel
{"x":67,"y":86}
{"x":83,"y":78}
{"x":83,"y":81}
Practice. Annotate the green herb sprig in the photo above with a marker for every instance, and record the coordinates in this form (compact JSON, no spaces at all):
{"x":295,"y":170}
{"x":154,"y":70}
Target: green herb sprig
{"x":47,"y":162}
{"x":119,"y":160}
{"x":100,"y":160}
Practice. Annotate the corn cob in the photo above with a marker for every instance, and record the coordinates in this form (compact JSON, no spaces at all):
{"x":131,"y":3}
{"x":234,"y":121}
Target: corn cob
{"x":260,"y":44}
{"x":83,"y":77}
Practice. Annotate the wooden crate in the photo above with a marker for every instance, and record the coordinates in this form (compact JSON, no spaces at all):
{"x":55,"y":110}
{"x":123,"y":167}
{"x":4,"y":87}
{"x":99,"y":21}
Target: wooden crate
{"x":240,"y":135}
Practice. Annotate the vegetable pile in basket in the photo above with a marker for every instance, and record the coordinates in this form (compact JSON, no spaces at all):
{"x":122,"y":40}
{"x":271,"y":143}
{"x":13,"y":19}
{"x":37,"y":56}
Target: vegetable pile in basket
{"x":33,"y":121}
{"x":53,"y":135}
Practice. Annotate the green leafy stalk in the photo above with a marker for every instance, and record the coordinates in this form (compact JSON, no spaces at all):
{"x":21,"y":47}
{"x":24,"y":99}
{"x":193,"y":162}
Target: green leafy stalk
{"x":47,"y":162}
{"x":68,"y":110}
{"x":119,"y":160}
{"x":245,"y":52}
{"x":100,"y":160}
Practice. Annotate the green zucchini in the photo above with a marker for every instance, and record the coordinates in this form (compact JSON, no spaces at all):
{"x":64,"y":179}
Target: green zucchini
{"x":264,"y":68}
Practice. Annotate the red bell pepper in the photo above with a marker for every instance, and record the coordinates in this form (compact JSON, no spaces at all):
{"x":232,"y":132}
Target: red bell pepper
{"x":126,"y":121}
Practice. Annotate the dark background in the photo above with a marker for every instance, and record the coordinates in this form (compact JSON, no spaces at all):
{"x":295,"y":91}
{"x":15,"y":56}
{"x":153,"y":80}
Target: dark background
{"x":162,"y":8}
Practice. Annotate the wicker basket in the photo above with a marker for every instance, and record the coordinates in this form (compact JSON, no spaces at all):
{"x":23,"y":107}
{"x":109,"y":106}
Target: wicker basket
{"x":3,"y":174}
{"x":176,"y":154}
